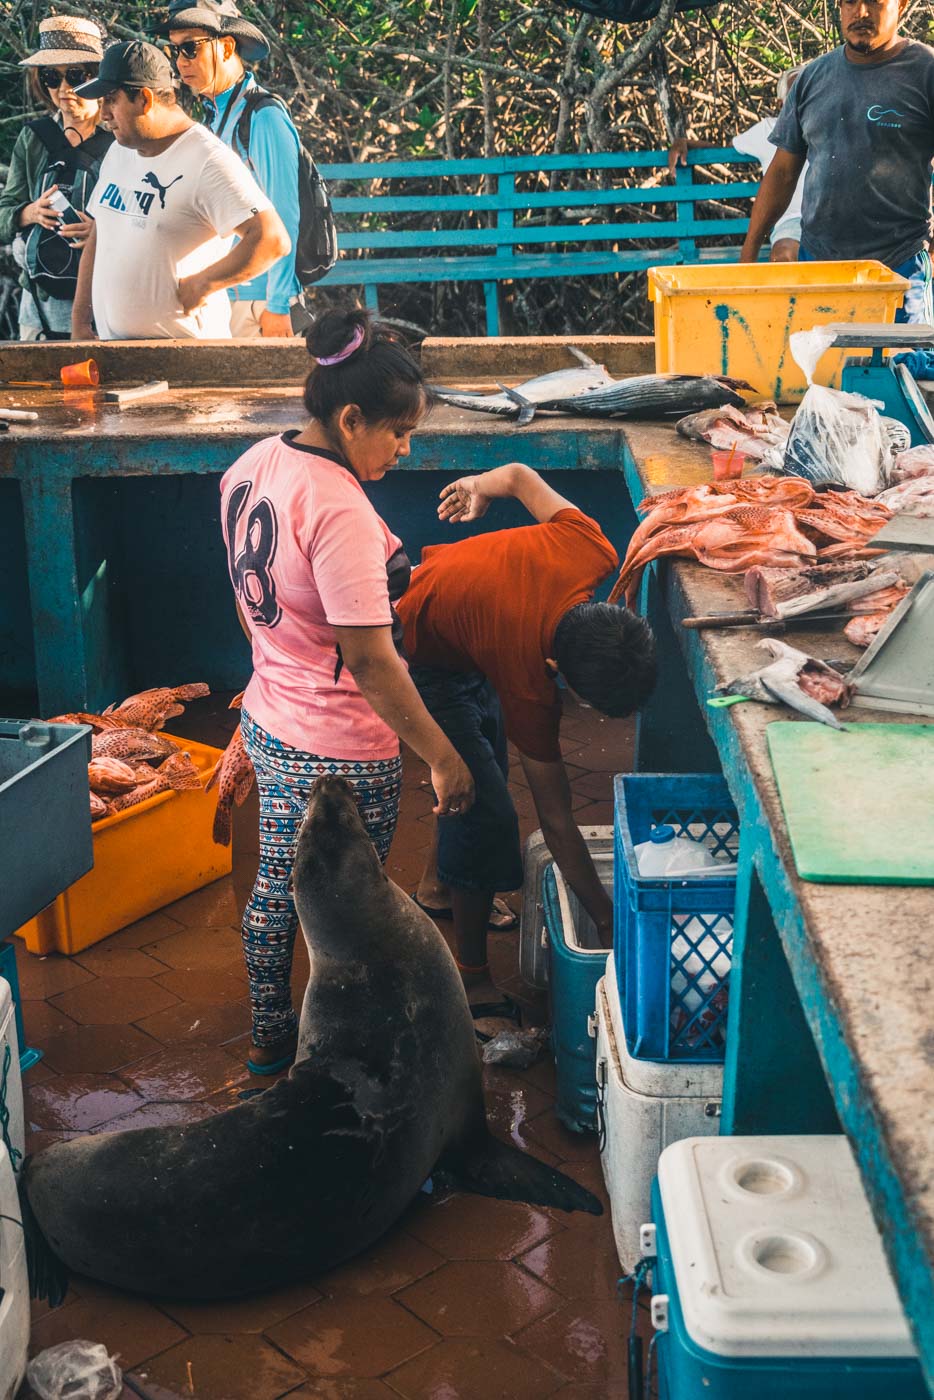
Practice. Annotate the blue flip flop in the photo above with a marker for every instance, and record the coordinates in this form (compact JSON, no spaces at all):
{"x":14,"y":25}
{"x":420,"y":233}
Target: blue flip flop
{"x":276,"y":1066}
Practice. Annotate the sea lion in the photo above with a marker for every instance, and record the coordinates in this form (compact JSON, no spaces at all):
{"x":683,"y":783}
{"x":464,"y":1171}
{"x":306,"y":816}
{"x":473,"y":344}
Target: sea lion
{"x":385,"y":1092}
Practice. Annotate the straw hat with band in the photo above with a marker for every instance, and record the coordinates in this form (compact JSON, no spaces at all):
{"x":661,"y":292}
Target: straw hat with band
{"x":67,"y":39}
{"x":219,"y":17}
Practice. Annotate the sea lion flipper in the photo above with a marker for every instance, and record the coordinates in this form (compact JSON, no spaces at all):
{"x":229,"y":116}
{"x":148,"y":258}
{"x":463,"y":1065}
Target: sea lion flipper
{"x":494,"y":1168}
{"x":48,"y":1276}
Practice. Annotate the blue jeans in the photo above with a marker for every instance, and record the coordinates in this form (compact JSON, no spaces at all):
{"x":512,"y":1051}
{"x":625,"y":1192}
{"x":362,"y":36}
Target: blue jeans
{"x":478,"y":849}
{"x":918,"y":308}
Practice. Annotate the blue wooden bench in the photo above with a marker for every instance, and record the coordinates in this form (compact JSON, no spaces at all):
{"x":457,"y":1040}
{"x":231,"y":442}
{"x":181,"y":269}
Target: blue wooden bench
{"x":508,"y":236}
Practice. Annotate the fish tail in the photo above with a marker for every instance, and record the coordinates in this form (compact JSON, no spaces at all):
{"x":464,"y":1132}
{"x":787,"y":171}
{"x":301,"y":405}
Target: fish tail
{"x":237,"y":702}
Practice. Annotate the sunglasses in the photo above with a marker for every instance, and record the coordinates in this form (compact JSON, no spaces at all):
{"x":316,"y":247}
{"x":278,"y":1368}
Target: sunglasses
{"x":52,"y":78}
{"x":188,"y":49}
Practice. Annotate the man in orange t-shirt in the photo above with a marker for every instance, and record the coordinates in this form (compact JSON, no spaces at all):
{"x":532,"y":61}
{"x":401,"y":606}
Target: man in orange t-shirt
{"x":490,"y":623}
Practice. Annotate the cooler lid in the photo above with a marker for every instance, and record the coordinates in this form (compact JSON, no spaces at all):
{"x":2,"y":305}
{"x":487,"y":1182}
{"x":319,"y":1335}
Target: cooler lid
{"x":775,"y":1251}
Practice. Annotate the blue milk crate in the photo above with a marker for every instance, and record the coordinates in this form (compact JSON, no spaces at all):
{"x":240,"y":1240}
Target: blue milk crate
{"x":673,"y":938}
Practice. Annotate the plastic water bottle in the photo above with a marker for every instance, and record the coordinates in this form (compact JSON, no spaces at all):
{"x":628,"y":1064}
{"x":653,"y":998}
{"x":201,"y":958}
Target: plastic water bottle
{"x":665,"y":855}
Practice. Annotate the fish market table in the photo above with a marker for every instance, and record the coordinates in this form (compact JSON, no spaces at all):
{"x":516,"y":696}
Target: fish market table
{"x":832,"y":988}
{"x":113,"y":575}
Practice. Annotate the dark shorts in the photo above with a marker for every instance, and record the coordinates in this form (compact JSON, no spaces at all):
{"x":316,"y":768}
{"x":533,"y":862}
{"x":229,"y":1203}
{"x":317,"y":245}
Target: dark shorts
{"x":478,"y":850}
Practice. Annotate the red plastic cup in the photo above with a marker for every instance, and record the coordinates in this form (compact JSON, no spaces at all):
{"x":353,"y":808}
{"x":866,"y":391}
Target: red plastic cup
{"x":81,"y":374}
{"x":727,"y":463}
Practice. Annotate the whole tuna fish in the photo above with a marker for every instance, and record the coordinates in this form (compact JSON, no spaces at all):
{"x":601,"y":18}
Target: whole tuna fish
{"x":151,"y":708}
{"x":588,"y":391}
{"x":132,"y":744}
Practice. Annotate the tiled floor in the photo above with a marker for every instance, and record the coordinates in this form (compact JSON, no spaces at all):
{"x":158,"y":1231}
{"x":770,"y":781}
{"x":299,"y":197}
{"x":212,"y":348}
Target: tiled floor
{"x":465,"y":1299}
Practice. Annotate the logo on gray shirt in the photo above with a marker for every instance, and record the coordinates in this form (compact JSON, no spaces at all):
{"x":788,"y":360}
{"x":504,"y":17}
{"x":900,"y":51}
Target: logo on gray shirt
{"x":882,"y":116}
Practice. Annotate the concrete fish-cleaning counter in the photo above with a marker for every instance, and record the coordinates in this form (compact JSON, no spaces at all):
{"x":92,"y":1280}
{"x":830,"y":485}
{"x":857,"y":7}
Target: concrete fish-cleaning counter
{"x":112,"y":568}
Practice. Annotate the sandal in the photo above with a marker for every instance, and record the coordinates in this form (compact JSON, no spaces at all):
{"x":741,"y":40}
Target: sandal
{"x":509,"y":916}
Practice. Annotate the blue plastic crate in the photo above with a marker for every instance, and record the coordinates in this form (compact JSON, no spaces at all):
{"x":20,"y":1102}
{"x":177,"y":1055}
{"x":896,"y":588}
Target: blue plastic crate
{"x":673,"y":939}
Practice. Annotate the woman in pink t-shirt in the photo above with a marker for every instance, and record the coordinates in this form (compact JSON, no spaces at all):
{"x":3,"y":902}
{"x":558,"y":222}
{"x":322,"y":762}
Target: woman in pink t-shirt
{"x":316,"y":571}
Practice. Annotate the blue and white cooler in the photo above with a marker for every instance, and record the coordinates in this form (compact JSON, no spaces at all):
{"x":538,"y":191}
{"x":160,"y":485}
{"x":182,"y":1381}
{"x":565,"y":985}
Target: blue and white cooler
{"x":576,"y":964}
{"x":770,"y":1278}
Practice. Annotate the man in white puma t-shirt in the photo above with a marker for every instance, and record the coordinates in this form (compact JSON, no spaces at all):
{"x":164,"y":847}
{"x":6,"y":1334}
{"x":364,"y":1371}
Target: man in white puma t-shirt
{"x":166,"y":206}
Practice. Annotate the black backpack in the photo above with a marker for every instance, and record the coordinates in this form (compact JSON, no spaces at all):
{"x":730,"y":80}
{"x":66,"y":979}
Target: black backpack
{"x":316,"y":249}
{"x":51,"y":261}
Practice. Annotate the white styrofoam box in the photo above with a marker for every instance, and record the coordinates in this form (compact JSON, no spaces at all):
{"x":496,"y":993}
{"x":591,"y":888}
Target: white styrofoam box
{"x":533,"y":940}
{"x":14,"y":1302}
{"x":775,"y":1250}
{"x":646,"y":1105}
{"x":14,"y":1081}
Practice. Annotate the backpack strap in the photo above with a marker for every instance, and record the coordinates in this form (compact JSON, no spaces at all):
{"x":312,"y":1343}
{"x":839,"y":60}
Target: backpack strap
{"x":254,"y":100}
{"x":88,"y":154}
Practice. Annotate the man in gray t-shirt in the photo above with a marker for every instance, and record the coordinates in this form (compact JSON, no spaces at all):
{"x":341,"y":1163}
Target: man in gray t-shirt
{"x":862,"y":117}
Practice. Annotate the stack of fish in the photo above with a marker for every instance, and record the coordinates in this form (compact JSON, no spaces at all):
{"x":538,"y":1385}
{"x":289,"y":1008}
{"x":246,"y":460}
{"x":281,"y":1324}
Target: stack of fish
{"x":131,"y":762}
{"x":765,"y":521}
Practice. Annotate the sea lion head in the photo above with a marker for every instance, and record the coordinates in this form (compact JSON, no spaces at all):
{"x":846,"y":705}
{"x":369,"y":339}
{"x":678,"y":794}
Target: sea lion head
{"x":334,"y":854}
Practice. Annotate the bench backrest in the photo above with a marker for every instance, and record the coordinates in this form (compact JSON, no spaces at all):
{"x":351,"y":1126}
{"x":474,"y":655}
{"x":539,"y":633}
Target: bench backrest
{"x":589,"y":199}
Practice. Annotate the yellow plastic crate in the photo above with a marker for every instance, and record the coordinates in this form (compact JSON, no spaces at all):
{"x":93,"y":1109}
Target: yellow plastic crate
{"x":735,"y":318}
{"x":144,"y":858}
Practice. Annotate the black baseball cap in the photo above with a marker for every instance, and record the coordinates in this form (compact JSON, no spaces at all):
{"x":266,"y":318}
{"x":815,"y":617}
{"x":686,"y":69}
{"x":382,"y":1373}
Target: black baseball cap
{"x":133,"y":63}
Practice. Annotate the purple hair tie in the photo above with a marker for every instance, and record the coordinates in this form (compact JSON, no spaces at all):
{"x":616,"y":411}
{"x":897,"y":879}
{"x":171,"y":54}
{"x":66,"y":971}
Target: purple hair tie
{"x":353,"y":344}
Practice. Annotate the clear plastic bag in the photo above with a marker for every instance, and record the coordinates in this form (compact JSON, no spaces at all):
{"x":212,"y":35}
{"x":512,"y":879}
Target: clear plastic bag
{"x":515,"y":1049}
{"x":835,"y":437}
{"x":76,"y":1370}
{"x":839,"y":438}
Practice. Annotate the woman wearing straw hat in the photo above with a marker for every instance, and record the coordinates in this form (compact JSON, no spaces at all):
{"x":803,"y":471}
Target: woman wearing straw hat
{"x":58,"y":152}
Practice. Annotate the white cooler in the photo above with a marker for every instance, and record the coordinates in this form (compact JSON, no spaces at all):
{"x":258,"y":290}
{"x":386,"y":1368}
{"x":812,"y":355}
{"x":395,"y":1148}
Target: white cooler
{"x":11,"y":1091}
{"x":14,"y":1302}
{"x":643,"y":1105}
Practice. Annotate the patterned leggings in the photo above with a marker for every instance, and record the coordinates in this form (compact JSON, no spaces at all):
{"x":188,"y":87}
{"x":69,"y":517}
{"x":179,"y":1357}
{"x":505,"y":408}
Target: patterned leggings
{"x":284,"y":777}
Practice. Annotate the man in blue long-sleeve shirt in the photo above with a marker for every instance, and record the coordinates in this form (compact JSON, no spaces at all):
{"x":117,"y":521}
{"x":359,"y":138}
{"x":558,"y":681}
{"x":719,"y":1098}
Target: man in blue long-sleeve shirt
{"x":211,"y":43}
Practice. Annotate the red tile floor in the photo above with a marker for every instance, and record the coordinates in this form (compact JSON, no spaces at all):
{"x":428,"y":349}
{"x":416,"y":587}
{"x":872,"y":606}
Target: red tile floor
{"x":465,"y":1299}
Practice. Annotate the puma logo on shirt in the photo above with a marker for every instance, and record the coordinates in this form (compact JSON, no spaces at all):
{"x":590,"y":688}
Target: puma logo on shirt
{"x":150,"y":179}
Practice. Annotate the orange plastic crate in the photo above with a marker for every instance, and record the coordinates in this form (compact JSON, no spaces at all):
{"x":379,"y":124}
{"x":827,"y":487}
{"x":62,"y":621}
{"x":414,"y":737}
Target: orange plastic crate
{"x":144,"y":858}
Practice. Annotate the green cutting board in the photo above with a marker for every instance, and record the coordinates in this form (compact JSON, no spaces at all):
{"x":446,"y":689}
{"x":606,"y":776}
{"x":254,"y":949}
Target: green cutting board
{"x":859,"y":803}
